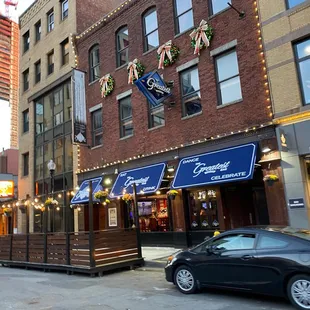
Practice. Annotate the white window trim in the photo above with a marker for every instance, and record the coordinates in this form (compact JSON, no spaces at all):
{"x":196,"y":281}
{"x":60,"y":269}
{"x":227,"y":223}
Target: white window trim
{"x":62,"y":9}
{"x":49,"y":21}
{"x":188,"y":64}
{"x":223,"y":48}
{"x":124,"y":94}
{"x":95,"y":108}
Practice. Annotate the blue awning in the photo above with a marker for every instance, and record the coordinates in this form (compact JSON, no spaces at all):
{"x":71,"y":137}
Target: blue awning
{"x":147,"y":179}
{"x":227,"y":165}
{"x":83,"y":193}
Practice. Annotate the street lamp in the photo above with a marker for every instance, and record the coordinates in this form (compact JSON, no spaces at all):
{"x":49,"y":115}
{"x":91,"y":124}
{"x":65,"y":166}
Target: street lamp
{"x":51,"y":167}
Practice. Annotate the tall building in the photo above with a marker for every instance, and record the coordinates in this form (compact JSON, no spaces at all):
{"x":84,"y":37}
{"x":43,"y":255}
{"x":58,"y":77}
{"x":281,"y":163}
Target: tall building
{"x":46,"y":60}
{"x":9,"y":75}
{"x":286,"y":36}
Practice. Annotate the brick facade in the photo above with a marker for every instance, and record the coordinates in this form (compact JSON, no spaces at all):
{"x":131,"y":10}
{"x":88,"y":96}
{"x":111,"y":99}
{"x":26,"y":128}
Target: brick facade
{"x":213,"y":120}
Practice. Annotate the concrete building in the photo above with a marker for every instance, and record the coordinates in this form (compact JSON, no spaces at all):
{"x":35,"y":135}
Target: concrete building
{"x":286,"y":35}
{"x":9,"y":78}
{"x":207,"y":113}
{"x":46,"y":61}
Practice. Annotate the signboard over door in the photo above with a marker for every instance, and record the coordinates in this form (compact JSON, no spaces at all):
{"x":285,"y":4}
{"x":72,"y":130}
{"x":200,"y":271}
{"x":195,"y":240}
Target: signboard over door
{"x":79,"y":107}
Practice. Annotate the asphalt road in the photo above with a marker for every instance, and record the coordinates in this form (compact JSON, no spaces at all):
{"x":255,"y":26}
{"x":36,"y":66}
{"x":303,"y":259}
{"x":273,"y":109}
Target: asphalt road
{"x":141,"y":289}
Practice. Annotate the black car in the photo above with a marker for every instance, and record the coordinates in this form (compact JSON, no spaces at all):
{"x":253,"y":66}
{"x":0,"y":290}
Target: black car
{"x":265,"y":260}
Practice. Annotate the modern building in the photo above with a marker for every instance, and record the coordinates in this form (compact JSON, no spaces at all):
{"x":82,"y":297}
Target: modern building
{"x":9,"y":77}
{"x":212,"y":140}
{"x":286,"y":36}
{"x":46,"y":60}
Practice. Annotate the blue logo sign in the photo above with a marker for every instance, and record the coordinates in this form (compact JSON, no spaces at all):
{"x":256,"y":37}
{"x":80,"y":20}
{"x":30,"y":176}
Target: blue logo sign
{"x":227,"y":165}
{"x":83,"y":194}
{"x":153,"y":88}
{"x":147,"y":180}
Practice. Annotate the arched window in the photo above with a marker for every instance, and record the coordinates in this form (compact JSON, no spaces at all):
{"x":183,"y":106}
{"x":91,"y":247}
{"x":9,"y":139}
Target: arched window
{"x":122,"y":46}
{"x":94,"y":63}
{"x":150,"y":29}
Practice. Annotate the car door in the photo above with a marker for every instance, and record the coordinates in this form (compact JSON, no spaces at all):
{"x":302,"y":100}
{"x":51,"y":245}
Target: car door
{"x":230,"y":263}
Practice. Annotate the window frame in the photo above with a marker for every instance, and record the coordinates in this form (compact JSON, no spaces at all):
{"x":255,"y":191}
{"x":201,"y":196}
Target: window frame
{"x":50,"y":67}
{"x":64,"y":55}
{"x":212,"y":11}
{"x":38,"y":26}
{"x":98,"y":131}
{"x":26,"y":41}
{"x":297,"y":62}
{"x":176,"y":18}
{"x":50,"y":25}
{"x":122,"y":121}
{"x":26,"y":83}
{"x":145,"y":35}
{"x":218,"y":89}
{"x":119,"y":51}
{"x":184,"y":96}
{"x":25,"y":164}
{"x":92,"y":77}
{"x":26,"y":121}
{"x":150,"y":115}
{"x":64,"y":13}
{"x":37,"y":76}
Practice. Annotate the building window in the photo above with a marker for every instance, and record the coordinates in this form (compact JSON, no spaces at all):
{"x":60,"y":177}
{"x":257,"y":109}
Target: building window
{"x":183,"y":15}
{"x":218,"y":5}
{"x":65,"y":52}
{"x":156,"y":115}
{"x":26,"y":40}
{"x":94,"y":64}
{"x":97,"y":130}
{"x":26,"y":79}
{"x":122,"y":46}
{"x":228,"y":79}
{"x":150,"y":29}
{"x":39,"y":117}
{"x":50,"y":62}
{"x":125,"y":110}
{"x":26,"y":120}
{"x":292,"y":3}
{"x":37,"y":71}
{"x":191,"y":100}
{"x":58,"y":118}
{"x":50,"y":21}
{"x":59,"y":97}
{"x":38,"y":30}
{"x":64,"y":9}
{"x":302,"y":52}
{"x":25,"y":164}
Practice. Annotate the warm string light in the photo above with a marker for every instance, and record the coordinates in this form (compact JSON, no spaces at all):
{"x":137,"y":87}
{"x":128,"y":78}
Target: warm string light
{"x":194,"y":142}
{"x":262,"y":54}
{"x":74,"y":51}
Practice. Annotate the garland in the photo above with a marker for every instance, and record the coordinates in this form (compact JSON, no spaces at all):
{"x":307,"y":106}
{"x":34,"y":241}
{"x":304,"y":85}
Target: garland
{"x":135,"y":70}
{"x":201,"y":37}
{"x":106,"y":85}
{"x":167,"y":54}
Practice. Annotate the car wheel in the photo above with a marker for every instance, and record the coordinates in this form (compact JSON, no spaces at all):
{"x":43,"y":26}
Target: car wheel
{"x":185,"y":280}
{"x":298,"y":291}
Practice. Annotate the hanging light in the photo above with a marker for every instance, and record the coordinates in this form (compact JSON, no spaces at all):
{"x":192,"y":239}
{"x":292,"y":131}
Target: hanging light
{"x":266,"y":149}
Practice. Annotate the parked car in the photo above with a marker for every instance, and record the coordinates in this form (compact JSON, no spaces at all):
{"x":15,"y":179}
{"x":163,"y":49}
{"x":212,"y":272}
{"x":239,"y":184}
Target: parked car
{"x":264,"y":260}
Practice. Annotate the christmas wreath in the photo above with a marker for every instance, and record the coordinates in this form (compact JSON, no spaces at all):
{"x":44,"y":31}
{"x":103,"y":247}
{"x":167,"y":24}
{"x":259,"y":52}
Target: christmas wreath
{"x":167,"y":54}
{"x":201,"y":36}
{"x":106,"y":85}
{"x":135,"y":70}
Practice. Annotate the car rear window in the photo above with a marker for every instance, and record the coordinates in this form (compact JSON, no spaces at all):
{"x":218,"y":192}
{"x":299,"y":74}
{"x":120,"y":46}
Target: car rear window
{"x":266,"y":242}
{"x":295,"y":232}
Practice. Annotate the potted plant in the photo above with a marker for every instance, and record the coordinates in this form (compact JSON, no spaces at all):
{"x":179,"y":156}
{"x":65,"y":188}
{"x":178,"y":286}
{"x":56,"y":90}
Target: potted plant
{"x":270,"y":179}
{"x":127,"y":198}
{"x":101,"y":196}
{"x":50,"y":202}
{"x":7,"y":211}
{"x":172,"y":194}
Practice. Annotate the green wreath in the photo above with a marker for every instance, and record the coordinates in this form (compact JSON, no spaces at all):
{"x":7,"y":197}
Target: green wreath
{"x":140,"y":70}
{"x":110,"y":87}
{"x":209,"y":33}
{"x":175,"y":52}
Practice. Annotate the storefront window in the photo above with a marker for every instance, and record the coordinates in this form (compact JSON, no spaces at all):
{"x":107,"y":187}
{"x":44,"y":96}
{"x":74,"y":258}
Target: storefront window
{"x":203,"y":210}
{"x":153,"y":215}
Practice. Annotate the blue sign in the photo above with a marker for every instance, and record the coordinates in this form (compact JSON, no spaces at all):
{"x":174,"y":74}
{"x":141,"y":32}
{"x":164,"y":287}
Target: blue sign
{"x":153,"y":88}
{"x":83,"y":193}
{"x":227,"y":165}
{"x":147,"y":180}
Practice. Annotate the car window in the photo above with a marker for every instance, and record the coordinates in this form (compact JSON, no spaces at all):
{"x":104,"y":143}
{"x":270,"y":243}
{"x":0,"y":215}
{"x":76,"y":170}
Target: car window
{"x":235,"y":242}
{"x":266,"y":242}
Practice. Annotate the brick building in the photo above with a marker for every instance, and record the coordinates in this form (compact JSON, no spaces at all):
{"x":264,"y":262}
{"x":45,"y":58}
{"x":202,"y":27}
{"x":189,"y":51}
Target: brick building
{"x":286,"y":36}
{"x":220,"y":102}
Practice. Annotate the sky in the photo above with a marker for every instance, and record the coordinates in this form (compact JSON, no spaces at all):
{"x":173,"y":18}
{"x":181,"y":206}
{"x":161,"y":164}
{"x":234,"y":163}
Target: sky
{"x":22,"y":6}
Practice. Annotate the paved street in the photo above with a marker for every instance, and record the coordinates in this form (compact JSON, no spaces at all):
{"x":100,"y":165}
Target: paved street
{"x":135,"y":290}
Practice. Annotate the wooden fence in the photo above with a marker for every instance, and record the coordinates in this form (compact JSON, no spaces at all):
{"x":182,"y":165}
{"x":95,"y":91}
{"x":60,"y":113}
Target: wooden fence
{"x":81,"y":252}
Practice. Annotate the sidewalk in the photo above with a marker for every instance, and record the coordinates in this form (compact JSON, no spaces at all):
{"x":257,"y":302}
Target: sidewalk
{"x":156,"y":257}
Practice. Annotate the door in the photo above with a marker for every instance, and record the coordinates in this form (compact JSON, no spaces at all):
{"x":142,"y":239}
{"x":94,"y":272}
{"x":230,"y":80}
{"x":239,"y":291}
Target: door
{"x":230,"y":263}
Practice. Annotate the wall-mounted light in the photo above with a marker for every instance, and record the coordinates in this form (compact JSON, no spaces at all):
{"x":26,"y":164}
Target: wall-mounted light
{"x":158,"y":193}
{"x":107,"y":181}
{"x":266,"y":149}
{"x":170,"y":168}
{"x":116,"y":171}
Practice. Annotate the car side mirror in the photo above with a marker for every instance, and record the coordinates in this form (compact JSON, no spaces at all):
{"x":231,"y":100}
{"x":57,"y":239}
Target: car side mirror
{"x":211,"y":249}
